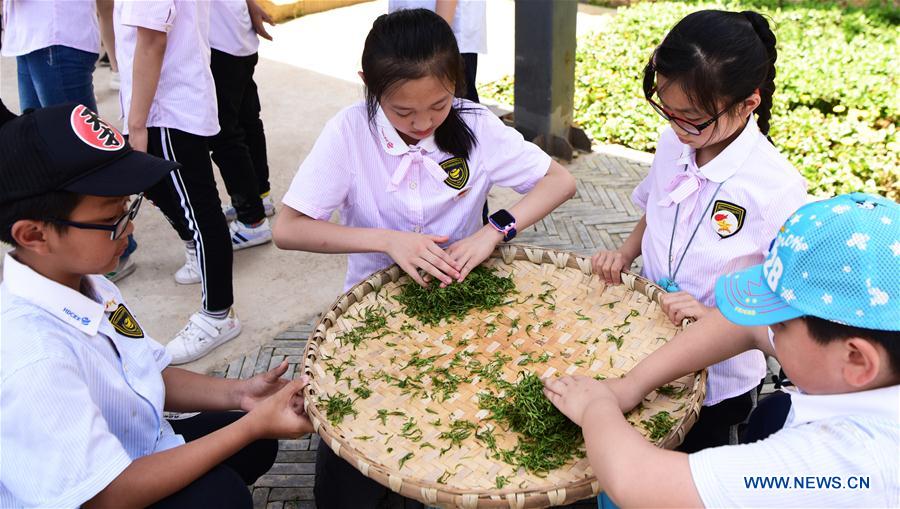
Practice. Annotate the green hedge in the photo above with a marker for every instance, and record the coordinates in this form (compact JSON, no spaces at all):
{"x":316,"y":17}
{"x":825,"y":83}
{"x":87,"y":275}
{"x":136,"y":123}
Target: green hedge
{"x":836,"y":104}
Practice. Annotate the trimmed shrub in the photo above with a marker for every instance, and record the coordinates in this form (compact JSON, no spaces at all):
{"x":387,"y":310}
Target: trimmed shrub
{"x":835,"y":107}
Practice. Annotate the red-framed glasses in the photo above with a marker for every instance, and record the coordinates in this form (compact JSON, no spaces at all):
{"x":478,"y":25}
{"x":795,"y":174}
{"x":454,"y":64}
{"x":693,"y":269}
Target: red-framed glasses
{"x":685,"y":125}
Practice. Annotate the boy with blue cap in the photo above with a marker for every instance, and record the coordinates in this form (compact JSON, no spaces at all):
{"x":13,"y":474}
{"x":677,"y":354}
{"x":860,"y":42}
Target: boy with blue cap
{"x":826,"y":303}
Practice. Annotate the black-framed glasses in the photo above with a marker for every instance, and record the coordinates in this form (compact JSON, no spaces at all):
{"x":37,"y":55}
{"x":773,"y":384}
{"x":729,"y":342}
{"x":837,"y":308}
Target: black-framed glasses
{"x":117,"y":229}
{"x":685,"y":125}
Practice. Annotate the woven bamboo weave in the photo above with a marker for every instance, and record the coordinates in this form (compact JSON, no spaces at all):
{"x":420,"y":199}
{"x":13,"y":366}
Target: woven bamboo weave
{"x":559,"y":309}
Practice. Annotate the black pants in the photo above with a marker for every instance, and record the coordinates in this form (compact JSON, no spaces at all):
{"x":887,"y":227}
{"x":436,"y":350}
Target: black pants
{"x":190,"y":201}
{"x":239,"y":149}
{"x":470,"y":60}
{"x":225,"y":486}
{"x":768,"y":417}
{"x":340,"y":486}
{"x":713,"y":427}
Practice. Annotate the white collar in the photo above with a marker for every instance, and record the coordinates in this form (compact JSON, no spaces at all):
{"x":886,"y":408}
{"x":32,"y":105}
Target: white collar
{"x":391,"y":141}
{"x":883,"y":402}
{"x":726,"y":164}
{"x":71,"y":307}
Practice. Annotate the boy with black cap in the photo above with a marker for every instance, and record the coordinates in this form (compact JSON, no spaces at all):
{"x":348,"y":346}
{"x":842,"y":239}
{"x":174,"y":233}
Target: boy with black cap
{"x":826,"y":303}
{"x":82,"y":388}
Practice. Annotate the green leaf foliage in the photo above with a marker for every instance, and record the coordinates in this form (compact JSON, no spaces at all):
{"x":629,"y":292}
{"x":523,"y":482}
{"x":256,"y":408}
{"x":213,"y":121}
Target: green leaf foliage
{"x":836,"y":103}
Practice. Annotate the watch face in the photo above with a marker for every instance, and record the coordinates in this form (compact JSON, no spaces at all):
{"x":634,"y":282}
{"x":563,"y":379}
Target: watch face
{"x":503,"y":218}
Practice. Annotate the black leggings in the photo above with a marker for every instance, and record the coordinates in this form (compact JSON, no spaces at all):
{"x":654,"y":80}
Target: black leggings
{"x":225,"y":486}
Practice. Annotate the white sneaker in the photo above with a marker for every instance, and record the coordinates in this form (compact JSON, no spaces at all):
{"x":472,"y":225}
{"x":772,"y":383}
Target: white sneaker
{"x":243,"y":236}
{"x":189,"y":273}
{"x":268,"y":205}
{"x":201,"y":335}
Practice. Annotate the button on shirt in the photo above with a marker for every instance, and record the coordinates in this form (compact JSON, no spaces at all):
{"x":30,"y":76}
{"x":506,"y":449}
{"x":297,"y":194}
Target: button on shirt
{"x":230,"y":28}
{"x":845,"y":436}
{"x":78,"y":401}
{"x":186,"y":95}
{"x":30,"y":25}
{"x":756,"y":179}
{"x":376,"y":180}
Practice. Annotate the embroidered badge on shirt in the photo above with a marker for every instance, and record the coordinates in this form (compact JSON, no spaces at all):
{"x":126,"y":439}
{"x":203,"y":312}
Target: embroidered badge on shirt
{"x":727,"y":218}
{"x":457,"y":172}
{"x":124,"y":323}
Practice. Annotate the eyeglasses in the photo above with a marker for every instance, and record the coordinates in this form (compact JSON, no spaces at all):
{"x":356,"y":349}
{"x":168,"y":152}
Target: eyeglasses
{"x":116,"y":229}
{"x":687,"y":126}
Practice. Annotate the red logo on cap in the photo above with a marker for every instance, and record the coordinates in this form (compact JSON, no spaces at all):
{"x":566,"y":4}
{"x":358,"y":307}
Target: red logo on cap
{"x":94,"y":131}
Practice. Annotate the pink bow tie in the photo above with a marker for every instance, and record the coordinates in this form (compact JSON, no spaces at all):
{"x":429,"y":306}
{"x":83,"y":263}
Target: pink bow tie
{"x":414,"y":156}
{"x":682,"y":186}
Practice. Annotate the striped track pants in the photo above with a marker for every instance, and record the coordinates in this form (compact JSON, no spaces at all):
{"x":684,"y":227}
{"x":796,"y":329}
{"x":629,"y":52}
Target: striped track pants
{"x":190,"y":201}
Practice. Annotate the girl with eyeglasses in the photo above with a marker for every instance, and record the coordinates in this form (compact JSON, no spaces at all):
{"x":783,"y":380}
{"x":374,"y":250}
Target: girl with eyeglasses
{"x":717,"y":191}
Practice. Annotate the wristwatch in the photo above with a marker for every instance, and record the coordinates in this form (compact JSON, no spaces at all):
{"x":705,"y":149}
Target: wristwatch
{"x":504,"y":223}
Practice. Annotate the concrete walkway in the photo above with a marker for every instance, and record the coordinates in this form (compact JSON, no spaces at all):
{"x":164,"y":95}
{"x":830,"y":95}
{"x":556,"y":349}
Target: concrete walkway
{"x":305,"y":76}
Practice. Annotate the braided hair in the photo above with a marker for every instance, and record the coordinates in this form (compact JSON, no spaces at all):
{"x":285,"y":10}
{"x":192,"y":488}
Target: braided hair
{"x":719,"y":56}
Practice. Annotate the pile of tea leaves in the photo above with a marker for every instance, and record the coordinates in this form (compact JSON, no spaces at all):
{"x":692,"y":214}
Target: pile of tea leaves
{"x":482,"y":289}
{"x":547,"y":438}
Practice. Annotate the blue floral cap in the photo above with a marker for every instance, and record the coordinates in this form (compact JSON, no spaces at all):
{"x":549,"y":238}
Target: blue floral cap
{"x":836,"y":259}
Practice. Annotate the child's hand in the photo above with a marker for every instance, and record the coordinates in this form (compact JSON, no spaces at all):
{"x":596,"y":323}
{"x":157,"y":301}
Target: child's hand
{"x":254,"y":390}
{"x":281,"y":415}
{"x":610,"y":264}
{"x":474,"y":249}
{"x":680,"y":305}
{"x":413,"y":251}
{"x":257,"y":16}
{"x":573,"y":394}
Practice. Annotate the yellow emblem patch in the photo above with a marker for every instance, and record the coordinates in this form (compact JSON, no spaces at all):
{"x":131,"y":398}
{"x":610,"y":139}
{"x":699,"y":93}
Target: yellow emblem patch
{"x":124,"y":323}
{"x":457,"y":172}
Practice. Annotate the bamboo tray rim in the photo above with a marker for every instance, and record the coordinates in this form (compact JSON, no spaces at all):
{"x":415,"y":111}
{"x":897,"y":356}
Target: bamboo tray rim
{"x":434,"y":493}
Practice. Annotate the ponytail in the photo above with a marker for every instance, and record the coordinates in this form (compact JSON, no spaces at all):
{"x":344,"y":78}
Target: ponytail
{"x":767,"y":89}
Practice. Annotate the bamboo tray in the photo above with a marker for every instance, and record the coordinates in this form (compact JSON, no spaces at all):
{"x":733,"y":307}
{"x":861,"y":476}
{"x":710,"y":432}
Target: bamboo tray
{"x":560,"y":309}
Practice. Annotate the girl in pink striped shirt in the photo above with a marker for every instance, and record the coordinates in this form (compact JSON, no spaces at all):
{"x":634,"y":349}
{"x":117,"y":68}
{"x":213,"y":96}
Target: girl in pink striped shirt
{"x":717,"y":191}
{"x":409,"y":170}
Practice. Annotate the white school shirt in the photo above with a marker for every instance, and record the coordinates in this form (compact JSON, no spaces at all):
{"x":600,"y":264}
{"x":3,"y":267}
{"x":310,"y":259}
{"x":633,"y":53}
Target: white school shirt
{"x":376,"y":180}
{"x":760,"y":186}
{"x":849,"y":437}
{"x":186,"y":95}
{"x":79,"y":400}
{"x":30,"y":25}
{"x":469,"y":21}
{"x":230,"y":28}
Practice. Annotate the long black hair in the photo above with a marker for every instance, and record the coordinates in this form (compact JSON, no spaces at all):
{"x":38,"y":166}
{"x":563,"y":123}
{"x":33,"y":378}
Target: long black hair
{"x":717,"y":56}
{"x":410,"y":44}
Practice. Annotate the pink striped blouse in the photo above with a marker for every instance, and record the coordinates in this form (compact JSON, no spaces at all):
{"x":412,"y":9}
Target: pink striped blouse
{"x":760,"y":190}
{"x":376,"y":180}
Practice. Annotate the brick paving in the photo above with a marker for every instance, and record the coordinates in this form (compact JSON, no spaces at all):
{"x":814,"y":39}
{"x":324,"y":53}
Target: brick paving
{"x":599,"y":216}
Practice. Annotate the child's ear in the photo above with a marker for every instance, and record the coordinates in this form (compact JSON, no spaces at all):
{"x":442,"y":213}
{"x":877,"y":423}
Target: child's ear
{"x":31,"y":235}
{"x":750,"y":104}
{"x":863,"y":362}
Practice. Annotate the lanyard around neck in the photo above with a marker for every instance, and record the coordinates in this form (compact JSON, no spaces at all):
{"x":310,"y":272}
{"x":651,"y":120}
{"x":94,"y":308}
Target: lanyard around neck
{"x":693,"y":234}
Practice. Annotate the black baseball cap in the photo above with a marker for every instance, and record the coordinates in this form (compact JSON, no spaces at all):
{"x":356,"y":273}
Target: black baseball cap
{"x":70,"y":148}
